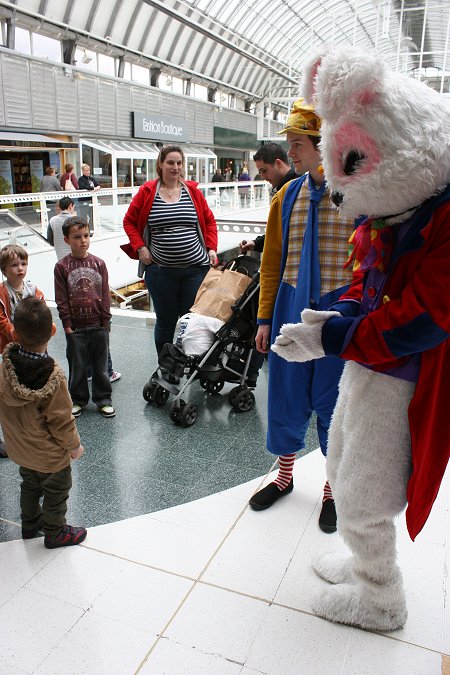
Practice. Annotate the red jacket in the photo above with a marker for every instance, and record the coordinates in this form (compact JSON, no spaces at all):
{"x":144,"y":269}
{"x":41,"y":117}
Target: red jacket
{"x":412,"y":317}
{"x":136,"y":217}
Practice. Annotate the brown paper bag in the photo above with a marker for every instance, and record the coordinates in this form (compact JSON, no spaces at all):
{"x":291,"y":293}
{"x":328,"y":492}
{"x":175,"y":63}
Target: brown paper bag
{"x":218,"y":292}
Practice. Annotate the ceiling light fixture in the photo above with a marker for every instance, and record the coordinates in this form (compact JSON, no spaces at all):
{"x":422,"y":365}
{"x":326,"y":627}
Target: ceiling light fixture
{"x":86,"y":58}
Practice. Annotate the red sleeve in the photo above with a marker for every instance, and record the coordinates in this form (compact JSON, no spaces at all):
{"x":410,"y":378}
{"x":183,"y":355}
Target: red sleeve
{"x":73,"y":178}
{"x":6,"y":327}
{"x":61,"y":296}
{"x":416,"y":316}
{"x":131,"y":220}
{"x":207,"y":222}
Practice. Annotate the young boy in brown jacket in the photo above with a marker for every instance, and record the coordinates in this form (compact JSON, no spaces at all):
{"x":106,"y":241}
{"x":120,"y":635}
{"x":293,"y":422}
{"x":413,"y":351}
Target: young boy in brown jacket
{"x":39,"y":428}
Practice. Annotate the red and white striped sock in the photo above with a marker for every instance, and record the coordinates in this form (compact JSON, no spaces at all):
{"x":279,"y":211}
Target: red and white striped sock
{"x":286,"y":464}
{"x":327,"y":494}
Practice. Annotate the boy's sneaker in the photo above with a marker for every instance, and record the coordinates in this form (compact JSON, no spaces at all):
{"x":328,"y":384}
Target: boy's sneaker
{"x":107,"y":410}
{"x":115,"y":376}
{"x":76,"y":409}
{"x":69,"y":536}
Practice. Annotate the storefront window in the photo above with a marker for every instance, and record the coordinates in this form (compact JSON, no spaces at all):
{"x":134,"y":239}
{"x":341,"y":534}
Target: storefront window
{"x":100,"y":163}
{"x":139,"y":171}
{"x":124,"y":172}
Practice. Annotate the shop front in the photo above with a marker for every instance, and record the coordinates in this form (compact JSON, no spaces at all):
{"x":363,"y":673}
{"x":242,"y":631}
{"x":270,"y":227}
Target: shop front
{"x":25,"y":157}
{"x":119,"y":164}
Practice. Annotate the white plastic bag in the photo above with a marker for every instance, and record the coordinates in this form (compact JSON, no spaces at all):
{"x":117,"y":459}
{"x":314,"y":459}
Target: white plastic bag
{"x":196,"y":333}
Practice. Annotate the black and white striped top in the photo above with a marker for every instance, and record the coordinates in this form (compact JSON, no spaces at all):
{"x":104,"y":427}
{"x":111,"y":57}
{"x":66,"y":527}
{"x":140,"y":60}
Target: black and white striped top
{"x":174,"y":240}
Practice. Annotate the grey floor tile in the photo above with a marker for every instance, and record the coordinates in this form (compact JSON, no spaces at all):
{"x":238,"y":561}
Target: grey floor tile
{"x":9,"y":532}
{"x":139,"y":461}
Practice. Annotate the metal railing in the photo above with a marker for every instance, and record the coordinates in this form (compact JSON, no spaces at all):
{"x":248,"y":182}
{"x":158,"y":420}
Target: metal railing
{"x":105,"y":209}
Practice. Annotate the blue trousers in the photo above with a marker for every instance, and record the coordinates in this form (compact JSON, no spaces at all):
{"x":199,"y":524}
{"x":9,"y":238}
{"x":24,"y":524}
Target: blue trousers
{"x":298,"y":389}
{"x":173,"y":291}
{"x":295,"y":391}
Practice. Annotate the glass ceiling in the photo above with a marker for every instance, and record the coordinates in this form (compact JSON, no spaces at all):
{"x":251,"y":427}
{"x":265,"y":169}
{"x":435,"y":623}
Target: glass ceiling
{"x":247,"y":47}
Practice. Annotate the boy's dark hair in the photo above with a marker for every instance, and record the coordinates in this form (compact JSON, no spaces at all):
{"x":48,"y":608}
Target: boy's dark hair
{"x":65,"y":202}
{"x":11,"y":251}
{"x":33,"y":322}
{"x":74,"y":222}
{"x":270,"y":152}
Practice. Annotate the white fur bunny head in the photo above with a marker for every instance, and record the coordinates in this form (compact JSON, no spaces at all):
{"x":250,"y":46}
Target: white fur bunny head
{"x":385,"y":137}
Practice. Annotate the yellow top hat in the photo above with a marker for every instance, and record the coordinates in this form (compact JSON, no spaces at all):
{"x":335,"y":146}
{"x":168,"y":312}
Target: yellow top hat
{"x":302,"y":120}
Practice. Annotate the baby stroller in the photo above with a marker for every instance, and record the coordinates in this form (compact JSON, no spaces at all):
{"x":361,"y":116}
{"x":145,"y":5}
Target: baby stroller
{"x":227,"y":360}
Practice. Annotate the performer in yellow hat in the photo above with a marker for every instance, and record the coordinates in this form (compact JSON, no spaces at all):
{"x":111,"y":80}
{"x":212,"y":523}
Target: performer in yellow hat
{"x":302,"y":266}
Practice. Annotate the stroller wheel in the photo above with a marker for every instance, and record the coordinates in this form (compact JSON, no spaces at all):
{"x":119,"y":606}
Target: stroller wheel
{"x":175,"y":411}
{"x":147,"y":392}
{"x":242,"y":399}
{"x":154,"y":393}
{"x":160,"y":396}
{"x":213,"y":387}
{"x":189,"y":415}
{"x":233,"y":393}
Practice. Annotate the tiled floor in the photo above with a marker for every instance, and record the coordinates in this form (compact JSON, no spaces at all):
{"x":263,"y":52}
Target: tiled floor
{"x":212,"y":587}
{"x":177,"y":574}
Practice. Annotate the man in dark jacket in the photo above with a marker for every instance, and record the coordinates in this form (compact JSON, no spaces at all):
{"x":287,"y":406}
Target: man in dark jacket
{"x":273,"y":165}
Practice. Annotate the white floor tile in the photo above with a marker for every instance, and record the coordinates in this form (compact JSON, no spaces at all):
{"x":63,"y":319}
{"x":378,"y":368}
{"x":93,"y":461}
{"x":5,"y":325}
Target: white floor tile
{"x":163,"y":545}
{"x":300,"y":583}
{"x":423,"y":569}
{"x":267,"y":540}
{"x":9,"y":668}
{"x":99,"y":647}
{"x":290,"y":643}
{"x":243,"y":492}
{"x":446,"y":594}
{"x":32,"y":625}
{"x":218,"y":622}
{"x":170,"y":658}
{"x":370,"y":654}
{"x":214,"y":513}
{"x":142,"y":597}
{"x":21,"y":560}
{"x":77,"y":576}
{"x":256,"y":554}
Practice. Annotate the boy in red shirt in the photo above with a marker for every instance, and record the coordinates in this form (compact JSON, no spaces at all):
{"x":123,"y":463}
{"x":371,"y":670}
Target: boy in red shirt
{"x":83,"y":302}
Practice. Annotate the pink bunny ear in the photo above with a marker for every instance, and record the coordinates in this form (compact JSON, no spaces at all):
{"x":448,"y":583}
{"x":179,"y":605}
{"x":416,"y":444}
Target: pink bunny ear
{"x":310,"y":70}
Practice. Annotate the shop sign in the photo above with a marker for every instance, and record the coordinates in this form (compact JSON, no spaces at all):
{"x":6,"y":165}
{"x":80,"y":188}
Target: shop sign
{"x":159,"y":128}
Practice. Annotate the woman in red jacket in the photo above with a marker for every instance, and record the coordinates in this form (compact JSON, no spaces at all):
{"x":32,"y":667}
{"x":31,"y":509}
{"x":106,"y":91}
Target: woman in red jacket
{"x":173,"y":233}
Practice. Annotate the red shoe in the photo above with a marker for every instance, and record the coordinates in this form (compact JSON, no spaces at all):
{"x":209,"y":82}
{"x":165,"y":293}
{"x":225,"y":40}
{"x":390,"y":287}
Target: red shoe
{"x":69,"y":536}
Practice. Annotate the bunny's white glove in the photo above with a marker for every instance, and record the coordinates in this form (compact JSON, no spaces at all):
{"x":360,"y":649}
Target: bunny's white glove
{"x":303,"y":341}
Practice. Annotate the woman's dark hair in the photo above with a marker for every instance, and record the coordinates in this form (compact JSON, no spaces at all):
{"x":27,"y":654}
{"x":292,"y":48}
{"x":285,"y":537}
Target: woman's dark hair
{"x":163,"y":154}
{"x":68,"y":168}
{"x":50,"y":170}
